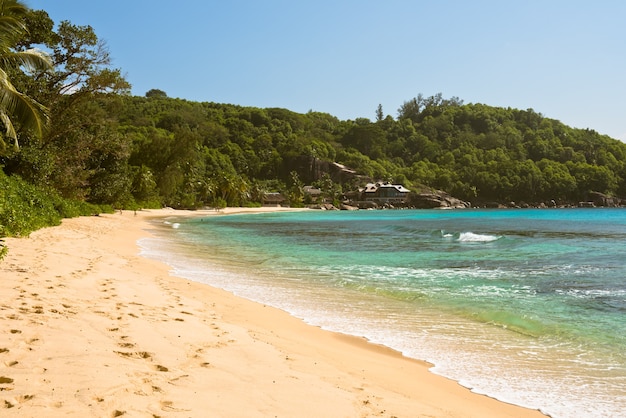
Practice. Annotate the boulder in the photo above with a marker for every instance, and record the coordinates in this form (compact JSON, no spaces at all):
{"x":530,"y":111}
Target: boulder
{"x":436,"y":199}
{"x":601,"y":199}
{"x":323,"y":206}
{"x":348,"y":207}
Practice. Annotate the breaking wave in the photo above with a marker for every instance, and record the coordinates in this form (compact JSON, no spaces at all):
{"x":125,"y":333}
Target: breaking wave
{"x":473,"y":237}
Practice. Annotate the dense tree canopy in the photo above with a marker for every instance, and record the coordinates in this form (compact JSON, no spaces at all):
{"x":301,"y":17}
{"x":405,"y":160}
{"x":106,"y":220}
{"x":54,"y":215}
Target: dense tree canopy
{"x":81,"y":154}
{"x":476,"y":152}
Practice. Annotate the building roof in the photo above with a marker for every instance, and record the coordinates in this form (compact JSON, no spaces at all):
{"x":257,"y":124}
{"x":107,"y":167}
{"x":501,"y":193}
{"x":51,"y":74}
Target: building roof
{"x":373,"y":187}
{"x":313,"y":191}
{"x":273,"y":197}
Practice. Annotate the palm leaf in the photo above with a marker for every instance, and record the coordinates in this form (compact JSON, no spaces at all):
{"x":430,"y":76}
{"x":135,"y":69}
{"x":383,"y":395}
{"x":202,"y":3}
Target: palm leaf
{"x":15,"y":106}
{"x":29,"y":113}
{"x":10,"y":129}
{"x":32,"y":60}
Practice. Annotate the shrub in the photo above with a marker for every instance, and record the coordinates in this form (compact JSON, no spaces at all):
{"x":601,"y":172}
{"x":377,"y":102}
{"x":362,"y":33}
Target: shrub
{"x":25,"y":208}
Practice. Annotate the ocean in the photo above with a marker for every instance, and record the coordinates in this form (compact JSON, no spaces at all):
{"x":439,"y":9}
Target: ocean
{"x":524,"y":305}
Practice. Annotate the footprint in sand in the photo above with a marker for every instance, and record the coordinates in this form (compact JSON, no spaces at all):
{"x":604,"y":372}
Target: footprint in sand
{"x":168,"y":406}
{"x":6,"y":385}
{"x":126,"y":345}
{"x":32,"y":341}
{"x":18,"y":400}
{"x":68,"y":311}
{"x":144,"y":355}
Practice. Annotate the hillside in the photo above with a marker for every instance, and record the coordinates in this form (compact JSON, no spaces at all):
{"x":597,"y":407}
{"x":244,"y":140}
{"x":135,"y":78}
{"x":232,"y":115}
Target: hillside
{"x":163,"y":151}
{"x":479,"y":153}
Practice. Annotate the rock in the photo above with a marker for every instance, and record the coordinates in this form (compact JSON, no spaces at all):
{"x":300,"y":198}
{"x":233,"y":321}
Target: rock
{"x":363,"y":204}
{"x":323,"y":206}
{"x":600,"y":199}
{"x":348,"y":207}
{"x":436,"y":199}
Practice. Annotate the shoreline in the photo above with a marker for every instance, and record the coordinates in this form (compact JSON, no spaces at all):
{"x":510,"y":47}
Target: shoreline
{"x":91,"y":328}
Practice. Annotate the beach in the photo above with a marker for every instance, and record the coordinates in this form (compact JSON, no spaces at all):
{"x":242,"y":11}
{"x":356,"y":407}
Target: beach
{"x":91,"y":328}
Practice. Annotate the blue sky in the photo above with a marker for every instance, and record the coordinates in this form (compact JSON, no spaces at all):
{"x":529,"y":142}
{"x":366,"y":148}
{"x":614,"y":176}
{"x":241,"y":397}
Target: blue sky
{"x":563,"y":58}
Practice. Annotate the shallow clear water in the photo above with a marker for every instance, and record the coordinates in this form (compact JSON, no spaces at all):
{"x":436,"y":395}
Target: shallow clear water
{"x":528,"y":306}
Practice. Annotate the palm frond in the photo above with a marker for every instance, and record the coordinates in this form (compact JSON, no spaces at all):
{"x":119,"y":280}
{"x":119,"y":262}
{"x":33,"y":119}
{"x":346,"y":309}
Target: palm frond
{"x":29,"y":113}
{"x":11,"y":23}
{"x":17,"y":108}
{"x":10,"y":129}
{"x":10,"y":26}
{"x":31,"y":59}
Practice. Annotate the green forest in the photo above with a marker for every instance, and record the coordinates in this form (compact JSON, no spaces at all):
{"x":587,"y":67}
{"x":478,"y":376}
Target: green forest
{"x":75,"y":141}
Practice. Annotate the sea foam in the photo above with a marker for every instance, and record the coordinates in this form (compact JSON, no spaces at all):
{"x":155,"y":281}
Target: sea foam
{"x":473,"y":237}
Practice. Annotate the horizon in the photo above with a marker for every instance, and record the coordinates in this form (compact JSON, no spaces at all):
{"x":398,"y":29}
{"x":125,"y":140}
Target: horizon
{"x":560,"y":58}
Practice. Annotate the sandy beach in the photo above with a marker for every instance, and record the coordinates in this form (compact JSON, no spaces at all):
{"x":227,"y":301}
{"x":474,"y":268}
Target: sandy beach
{"x":89,"y":328}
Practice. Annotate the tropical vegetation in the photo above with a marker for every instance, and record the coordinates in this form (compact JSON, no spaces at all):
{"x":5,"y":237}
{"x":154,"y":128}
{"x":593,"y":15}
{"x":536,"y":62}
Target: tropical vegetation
{"x":84,"y":138}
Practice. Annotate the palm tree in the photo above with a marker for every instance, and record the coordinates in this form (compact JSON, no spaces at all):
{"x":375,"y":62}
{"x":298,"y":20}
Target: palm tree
{"x":15,"y":106}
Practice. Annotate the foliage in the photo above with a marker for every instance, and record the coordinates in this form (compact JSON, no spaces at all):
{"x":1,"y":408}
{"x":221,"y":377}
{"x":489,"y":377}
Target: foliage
{"x":25,"y":208}
{"x":198,"y":153}
{"x":156,"y":93}
{"x":81,"y":154}
{"x":15,"y":106}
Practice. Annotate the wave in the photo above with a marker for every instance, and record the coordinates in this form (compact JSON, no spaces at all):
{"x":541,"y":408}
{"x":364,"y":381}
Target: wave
{"x":174,"y":225}
{"x":472,"y":237}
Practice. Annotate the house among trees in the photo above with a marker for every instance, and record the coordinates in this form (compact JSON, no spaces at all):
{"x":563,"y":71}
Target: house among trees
{"x":385,"y":193}
{"x":312,"y":194}
{"x":273,"y":199}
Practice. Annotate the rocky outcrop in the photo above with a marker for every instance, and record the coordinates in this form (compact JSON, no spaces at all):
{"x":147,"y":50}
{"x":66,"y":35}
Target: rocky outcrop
{"x":323,"y":206}
{"x":433,"y":199}
{"x":602,"y":200}
{"x":362,"y":204}
{"x":348,"y":207}
{"x":312,"y":169}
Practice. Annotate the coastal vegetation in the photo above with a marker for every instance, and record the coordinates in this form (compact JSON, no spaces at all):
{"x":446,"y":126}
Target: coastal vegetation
{"x":86,"y":140}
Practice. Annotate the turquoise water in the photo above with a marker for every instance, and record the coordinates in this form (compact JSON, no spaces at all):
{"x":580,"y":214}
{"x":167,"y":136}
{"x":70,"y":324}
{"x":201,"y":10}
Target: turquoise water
{"x":528,"y":306}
